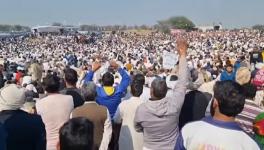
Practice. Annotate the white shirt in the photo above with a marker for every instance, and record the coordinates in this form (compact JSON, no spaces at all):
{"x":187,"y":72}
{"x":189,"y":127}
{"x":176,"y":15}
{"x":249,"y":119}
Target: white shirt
{"x":129,"y":139}
{"x":214,"y":134}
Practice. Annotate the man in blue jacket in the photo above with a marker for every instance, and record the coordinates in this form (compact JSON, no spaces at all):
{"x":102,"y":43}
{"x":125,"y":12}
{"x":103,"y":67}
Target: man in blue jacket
{"x":108,"y":95}
{"x":228,"y":74}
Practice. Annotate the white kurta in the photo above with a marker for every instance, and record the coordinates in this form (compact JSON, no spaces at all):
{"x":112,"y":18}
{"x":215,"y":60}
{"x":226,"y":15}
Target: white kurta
{"x":129,"y":139}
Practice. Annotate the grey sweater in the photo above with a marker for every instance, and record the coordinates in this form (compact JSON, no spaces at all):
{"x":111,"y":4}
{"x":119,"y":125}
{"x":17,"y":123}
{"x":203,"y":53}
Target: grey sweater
{"x":158,"y":120}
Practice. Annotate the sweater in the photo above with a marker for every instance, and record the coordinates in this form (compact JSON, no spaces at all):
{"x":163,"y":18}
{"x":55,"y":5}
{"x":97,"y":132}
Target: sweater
{"x":159,"y":119}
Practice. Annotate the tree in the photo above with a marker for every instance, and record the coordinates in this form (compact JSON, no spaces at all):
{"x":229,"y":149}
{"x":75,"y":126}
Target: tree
{"x":258,"y":27}
{"x":144,"y":27}
{"x":57,"y":24}
{"x":5,"y":28}
{"x":18,"y":28}
{"x":181,"y":23}
{"x":178,"y":22}
{"x":9,"y":28}
{"x":164,"y":26}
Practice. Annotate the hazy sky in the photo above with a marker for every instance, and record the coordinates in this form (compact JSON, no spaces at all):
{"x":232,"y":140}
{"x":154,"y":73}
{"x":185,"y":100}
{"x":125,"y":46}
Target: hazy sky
{"x":232,"y":13}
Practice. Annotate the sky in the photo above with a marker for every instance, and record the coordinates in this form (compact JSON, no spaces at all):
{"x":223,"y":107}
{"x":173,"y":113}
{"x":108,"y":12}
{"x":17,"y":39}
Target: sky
{"x":231,"y":13}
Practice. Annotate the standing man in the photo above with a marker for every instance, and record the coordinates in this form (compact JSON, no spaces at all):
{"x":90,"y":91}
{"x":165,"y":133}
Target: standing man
{"x":220,"y":131}
{"x":23,"y":130}
{"x":55,"y":109}
{"x":130,"y":139}
{"x":97,"y":114}
{"x":108,"y":95}
{"x":158,"y":118}
{"x":71,"y":78}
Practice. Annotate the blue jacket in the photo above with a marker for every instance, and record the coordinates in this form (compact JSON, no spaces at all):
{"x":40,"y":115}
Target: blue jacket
{"x":225,"y":76}
{"x":111,"y":101}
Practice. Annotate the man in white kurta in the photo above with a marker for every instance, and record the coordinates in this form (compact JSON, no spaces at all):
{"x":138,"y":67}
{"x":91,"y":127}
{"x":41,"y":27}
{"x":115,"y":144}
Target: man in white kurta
{"x":129,"y":139}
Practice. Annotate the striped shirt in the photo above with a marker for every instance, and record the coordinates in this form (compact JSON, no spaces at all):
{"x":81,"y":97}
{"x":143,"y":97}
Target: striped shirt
{"x":247,"y":116}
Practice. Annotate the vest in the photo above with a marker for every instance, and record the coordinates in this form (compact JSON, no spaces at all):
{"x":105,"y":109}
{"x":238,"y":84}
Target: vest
{"x":96,"y":114}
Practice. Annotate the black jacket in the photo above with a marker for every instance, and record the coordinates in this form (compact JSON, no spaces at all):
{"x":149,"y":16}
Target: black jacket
{"x":78,"y":100}
{"x":24,"y":131}
{"x":256,"y":57}
{"x":194,"y":107}
{"x":2,"y":137}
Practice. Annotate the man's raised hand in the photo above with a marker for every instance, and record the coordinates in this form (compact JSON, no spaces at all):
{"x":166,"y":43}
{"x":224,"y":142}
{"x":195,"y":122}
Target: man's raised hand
{"x":182,"y":47}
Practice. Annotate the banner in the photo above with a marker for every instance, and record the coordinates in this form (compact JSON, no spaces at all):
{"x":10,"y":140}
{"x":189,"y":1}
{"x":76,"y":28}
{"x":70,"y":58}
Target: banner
{"x":169,"y":60}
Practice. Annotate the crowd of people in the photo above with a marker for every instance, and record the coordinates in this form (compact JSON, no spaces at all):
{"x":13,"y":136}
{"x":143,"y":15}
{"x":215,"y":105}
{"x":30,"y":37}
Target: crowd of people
{"x":114,"y":92}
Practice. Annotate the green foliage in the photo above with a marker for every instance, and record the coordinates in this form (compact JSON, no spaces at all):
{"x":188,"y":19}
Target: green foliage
{"x":164,"y":26}
{"x":258,"y":27}
{"x":178,"y":22}
{"x":57,"y":24}
{"x":18,"y":27}
{"x":144,"y":27}
{"x":9,"y":28}
{"x":5,"y":28}
{"x":181,"y":23}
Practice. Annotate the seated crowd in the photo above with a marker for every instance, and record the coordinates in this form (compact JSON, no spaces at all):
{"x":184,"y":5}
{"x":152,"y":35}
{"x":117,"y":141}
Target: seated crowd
{"x":181,"y":111}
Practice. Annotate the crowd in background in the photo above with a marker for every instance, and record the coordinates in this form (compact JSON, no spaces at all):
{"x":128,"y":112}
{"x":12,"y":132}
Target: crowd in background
{"x":113,"y":92}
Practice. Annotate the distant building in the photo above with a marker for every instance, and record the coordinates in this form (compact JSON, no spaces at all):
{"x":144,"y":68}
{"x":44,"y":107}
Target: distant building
{"x":53,"y":29}
{"x":210,"y":27}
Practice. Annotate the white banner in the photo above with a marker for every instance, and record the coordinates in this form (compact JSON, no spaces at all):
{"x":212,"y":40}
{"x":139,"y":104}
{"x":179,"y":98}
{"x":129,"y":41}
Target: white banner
{"x":169,"y":60}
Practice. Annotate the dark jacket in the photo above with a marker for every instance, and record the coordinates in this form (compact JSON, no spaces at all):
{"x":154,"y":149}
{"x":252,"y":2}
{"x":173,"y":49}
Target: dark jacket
{"x":194,"y":107}
{"x":78,"y":100}
{"x":2,"y":137}
{"x":2,"y":81}
{"x":256,"y":57}
{"x":24,"y":131}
